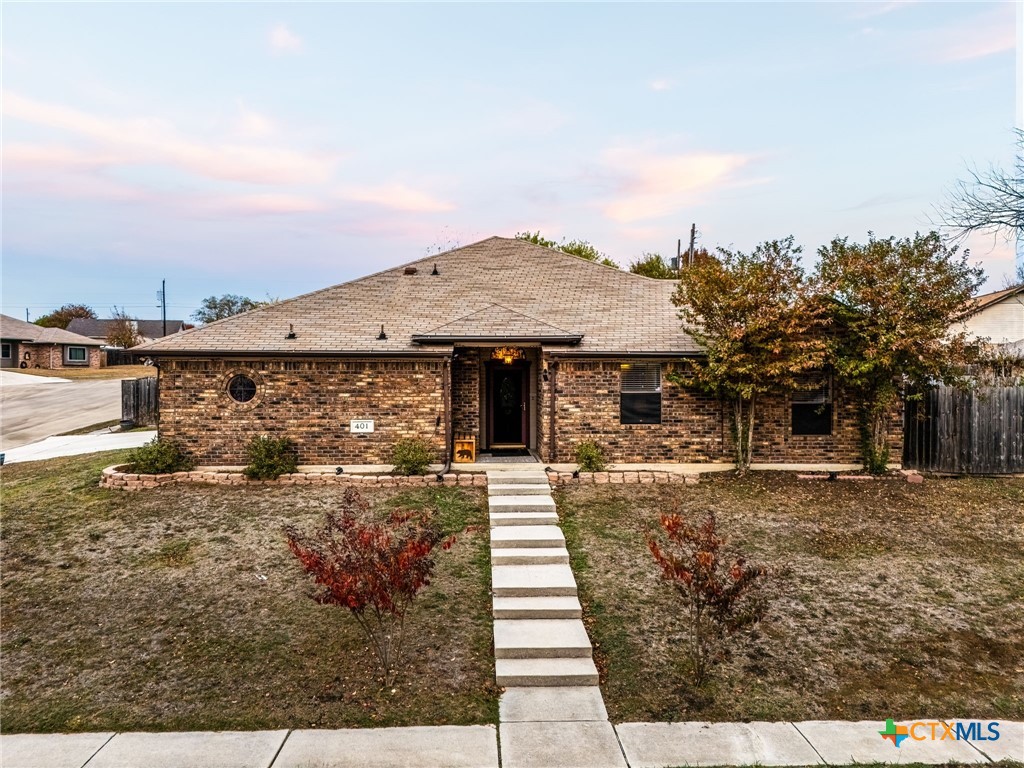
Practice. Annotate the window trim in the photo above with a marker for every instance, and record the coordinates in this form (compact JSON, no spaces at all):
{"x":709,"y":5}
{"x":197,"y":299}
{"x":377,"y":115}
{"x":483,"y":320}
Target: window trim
{"x":821,"y":398}
{"x":634,"y":390}
{"x":70,"y":361}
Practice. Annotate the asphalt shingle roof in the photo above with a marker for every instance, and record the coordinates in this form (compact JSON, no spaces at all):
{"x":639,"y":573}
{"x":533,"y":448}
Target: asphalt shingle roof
{"x":478,"y":288}
{"x":100,"y":329}
{"x":18,"y":330}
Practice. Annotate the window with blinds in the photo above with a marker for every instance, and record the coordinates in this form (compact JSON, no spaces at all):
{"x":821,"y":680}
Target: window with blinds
{"x":640,"y":393}
{"x":812,"y":411}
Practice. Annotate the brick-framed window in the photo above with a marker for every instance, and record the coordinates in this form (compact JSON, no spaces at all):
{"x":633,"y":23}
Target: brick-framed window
{"x":811,"y":410}
{"x":640,"y":393}
{"x":76,"y":355}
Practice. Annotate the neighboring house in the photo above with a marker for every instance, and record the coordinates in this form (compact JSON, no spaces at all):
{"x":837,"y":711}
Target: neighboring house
{"x":514,"y":345}
{"x":26,"y":345}
{"x":148,"y":330}
{"x":999,"y":317}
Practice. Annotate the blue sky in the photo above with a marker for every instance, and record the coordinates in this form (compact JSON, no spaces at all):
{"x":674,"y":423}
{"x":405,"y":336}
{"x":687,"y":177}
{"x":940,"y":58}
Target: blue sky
{"x":273,"y":149}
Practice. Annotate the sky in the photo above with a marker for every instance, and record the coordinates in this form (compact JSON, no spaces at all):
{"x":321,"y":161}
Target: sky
{"x":270,"y":150}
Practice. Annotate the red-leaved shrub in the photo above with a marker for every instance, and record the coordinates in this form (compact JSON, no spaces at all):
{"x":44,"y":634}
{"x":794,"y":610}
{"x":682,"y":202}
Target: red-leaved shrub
{"x":372,"y":566}
{"x":719,"y":589}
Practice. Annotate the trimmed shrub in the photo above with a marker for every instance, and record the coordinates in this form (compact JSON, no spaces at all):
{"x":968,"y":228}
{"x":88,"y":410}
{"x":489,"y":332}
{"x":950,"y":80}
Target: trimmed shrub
{"x":159,"y":457}
{"x":411,"y":456}
{"x":270,"y":457}
{"x":590,"y":456}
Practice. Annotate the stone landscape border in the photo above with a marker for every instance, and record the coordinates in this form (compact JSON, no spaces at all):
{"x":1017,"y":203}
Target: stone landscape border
{"x":118,"y":477}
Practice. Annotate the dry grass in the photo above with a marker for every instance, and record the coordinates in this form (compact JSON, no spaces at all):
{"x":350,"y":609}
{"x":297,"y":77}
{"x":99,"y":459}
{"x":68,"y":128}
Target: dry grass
{"x":888,"y":599}
{"x":181,"y":608}
{"x":94,"y":374}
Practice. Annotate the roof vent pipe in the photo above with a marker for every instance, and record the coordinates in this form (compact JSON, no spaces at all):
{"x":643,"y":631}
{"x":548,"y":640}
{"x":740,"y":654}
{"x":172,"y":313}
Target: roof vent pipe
{"x":291,"y":331}
{"x":434,"y":271}
{"x":382,"y":336}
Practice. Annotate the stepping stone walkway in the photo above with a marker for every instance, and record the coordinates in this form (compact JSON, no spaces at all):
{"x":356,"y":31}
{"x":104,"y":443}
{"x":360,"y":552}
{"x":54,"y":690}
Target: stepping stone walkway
{"x":552,"y":714}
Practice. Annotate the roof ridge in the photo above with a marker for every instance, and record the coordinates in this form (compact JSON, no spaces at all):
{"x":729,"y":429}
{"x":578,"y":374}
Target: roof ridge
{"x":496,"y":304}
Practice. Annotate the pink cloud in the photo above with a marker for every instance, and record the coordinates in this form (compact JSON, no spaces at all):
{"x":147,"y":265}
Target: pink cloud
{"x":153,"y":141}
{"x":651,"y":184}
{"x":54,"y":157}
{"x":283,"y":40}
{"x":398,"y":197}
{"x":266,"y":204}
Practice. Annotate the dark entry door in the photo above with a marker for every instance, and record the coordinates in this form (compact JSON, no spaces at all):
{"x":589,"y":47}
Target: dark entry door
{"x":508,"y":395}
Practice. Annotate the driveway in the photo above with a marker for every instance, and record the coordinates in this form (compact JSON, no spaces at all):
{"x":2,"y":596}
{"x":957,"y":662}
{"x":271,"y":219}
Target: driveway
{"x":32,"y":411}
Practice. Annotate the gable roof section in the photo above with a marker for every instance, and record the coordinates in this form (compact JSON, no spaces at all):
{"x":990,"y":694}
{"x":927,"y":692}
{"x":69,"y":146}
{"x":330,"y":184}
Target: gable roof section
{"x":18,"y":330}
{"x":99,"y":329}
{"x":988,"y":299}
{"x":497,"y":323}
{"x":615,"y":312}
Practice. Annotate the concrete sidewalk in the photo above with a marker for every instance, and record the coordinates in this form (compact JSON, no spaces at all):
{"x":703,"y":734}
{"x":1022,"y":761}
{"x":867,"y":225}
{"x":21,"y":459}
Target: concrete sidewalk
{"x":643,"y":745}
{"x":74,"y":445}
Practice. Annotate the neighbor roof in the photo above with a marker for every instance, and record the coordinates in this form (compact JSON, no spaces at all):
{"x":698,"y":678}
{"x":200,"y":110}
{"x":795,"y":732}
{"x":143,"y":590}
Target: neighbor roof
{"x":18,"y":330}
{"x":988,"y":299}
{"x":497,"y":289}
{"x":100,"y":329}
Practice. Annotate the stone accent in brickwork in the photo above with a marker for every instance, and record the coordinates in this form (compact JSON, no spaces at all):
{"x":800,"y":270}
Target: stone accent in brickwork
{"x":309,"y":401}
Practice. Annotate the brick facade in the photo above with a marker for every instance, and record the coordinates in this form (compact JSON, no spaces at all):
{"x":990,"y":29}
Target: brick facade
{"x":694,"y":426}
{"x":309,"y":401}
{"x":313,"y":401}
{"x":51,"y":356}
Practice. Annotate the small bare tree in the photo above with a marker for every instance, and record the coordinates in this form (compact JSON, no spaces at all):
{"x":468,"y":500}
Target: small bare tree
{"x":124,"y":331}
{"x":990,"y":201}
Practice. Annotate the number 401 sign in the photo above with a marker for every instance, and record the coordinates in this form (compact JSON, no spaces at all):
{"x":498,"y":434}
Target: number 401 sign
{"x":361,"y":425}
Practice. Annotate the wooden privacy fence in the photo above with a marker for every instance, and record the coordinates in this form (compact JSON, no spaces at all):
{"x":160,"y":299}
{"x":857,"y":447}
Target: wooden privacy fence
{"x":979,"y":431}
{"x":140,"y":401}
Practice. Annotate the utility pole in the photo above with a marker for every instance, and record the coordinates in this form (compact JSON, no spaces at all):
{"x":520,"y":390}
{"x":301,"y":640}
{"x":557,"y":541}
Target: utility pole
{"x":693,"y":242}
{"x":26,"y":314}
{"x":162,"y":295}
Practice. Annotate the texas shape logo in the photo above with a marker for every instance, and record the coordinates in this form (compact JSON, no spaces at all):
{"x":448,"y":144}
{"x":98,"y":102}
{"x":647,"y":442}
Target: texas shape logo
{"x":894,"y":733}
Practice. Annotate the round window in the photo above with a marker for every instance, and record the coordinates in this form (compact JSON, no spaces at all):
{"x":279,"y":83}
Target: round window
{"x":241,"y":388}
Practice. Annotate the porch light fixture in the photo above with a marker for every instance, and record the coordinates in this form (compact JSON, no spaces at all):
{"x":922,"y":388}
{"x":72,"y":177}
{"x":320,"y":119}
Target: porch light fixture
{"x":507,"y":354}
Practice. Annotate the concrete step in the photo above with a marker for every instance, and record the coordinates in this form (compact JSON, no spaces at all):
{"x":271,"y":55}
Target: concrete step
{"x":536,"y":608}
{"x":529,"y":536}
{"x":534,"y":672}
{"x":518,"y":489}
{"x":529,"y":555}
{"x":540,"y":639}
{"x":532,"y":581}
{"x":523,"y":518}
{"x":526,"y":476}
{"x":521,"y":504}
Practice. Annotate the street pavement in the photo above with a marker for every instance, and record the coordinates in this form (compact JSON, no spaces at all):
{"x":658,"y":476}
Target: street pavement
{"x":641,"y":745}
{"x":33,"y":410}
{"x":75,"y":445}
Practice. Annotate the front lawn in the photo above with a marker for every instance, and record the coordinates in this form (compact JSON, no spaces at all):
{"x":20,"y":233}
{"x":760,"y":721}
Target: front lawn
{"x":888,"y":599}
{"x":181,"y":608}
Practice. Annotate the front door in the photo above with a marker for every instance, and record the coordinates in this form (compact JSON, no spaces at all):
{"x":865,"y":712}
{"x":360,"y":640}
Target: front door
{"x":508,"y":397}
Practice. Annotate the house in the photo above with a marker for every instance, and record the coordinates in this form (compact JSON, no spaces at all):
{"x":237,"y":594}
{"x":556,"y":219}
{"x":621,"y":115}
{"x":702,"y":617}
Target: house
{"x":146,"y":329}
{"x":999,"y":317}
{"x":511,"y":345}
{"x":26,"y":345}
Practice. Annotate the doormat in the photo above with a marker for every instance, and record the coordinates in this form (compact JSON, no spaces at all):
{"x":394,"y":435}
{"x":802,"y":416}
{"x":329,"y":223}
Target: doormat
{"x":515,"y":456}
